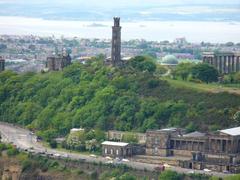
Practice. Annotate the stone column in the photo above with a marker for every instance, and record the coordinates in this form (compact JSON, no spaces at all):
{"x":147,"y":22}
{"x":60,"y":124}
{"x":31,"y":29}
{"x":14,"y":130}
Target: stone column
{"x":215,"y":62}
{"x":212,"y":61}
{"x":204,"y":59}
{"x":233,"y":64}
{"x":228,"y":147}
{"x":224,"y":64}
{"x":220,"y":63}
{"x":237,"y":63}
{"x":221,"y":145}
{"x":229,"y":64}
{"x":213,"y":145}
{"x":207,"y":60}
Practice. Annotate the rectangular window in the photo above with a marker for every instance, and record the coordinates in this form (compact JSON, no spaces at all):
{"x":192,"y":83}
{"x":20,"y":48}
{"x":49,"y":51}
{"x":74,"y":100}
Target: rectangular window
{"x":105,"y":150}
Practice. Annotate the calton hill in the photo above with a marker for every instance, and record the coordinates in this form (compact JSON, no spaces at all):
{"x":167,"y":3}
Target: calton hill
{"x":135,"y":97}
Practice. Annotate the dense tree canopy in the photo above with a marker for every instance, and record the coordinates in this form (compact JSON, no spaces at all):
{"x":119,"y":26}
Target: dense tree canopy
{"x":202,"y":72}
{"x":205,"y":73}
{"x":92,"y":95}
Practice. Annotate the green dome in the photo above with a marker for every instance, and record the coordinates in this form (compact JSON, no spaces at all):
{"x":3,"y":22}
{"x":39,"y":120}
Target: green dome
{"x":169,"y":59}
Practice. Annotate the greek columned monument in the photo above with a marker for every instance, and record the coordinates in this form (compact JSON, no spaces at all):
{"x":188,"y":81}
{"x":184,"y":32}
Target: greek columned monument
{"x":224,"y":62}
{"x":116,"y":42}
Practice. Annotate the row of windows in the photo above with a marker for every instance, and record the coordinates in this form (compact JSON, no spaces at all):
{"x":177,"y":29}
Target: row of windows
{"x":111,"y":151}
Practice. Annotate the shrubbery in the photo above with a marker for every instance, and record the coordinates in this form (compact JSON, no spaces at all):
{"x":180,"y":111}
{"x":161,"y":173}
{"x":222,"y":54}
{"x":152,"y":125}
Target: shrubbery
{"x":196,"y":72}
{"x":95,"y":96}
{"x":12,"y":151}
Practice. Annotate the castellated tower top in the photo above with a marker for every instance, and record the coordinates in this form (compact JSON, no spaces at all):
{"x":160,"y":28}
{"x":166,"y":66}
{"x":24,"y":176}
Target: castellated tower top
{"x":116,"y":21}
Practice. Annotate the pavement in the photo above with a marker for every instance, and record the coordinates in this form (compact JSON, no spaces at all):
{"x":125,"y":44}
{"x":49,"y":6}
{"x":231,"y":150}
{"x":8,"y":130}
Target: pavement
{"x":24,"y":140}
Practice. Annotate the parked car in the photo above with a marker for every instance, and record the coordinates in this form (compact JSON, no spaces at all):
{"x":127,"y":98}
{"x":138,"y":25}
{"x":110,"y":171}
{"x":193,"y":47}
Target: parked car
{"x":93,"y":156}
{"x":109,"y":158}
{"x":109,"y":162}
{"x":226,"y":172}
{"x":56,"y":155}
{"x":65,"y":156}
{"x":207,"y":170}
{"x":117,"y":159}
{"x":125,"y":160}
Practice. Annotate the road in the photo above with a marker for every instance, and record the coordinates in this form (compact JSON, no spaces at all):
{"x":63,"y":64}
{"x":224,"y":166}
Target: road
{"x":24,"y":139}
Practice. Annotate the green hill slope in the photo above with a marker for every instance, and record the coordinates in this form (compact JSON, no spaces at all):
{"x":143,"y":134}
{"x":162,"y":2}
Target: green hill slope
{"x":96,"y":96}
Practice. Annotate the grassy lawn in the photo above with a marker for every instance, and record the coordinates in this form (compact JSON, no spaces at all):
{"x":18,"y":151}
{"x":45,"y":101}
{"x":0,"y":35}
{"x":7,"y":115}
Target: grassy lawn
{"x":213,"y":87}
{"x":78,"y":152}
{"x":45,"y":144}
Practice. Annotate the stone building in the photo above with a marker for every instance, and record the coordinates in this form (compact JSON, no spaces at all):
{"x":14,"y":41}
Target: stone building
{"x":58,"y":62}
{"x":118,"y":136}
{"x":116,"y":149}
{"x":219,"y":151}
{"x":225,"y":62}
{"x":2,"y":64}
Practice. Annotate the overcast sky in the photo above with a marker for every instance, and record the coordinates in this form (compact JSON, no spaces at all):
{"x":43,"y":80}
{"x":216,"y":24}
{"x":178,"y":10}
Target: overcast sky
{"x":124,"y":2}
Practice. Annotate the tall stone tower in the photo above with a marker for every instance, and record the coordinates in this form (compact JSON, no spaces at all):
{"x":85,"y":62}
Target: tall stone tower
{"x":2,"y":64}
{"x":116,"y":42}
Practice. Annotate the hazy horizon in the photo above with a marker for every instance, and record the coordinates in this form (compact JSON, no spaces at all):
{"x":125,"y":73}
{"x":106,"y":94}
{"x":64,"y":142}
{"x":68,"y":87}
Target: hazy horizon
{"x":45,"y":12}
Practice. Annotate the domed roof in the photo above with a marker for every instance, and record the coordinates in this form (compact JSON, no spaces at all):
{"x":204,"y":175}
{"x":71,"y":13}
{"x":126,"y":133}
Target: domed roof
{"x":169,"y":59}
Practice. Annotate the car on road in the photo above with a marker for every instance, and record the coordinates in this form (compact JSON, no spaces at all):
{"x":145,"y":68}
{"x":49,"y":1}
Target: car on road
{"x":65,"y":156}
{"x":191,"y":172}
{"x":41,"y":152}
{"x":109,"y":162}
{"x":50,"y":154}
{"x":82,"y":160}
{"x":125,"y":160}
{"x":109,"y":158}
{"x":93,"y":156}
{"x":226,"y":172}
{"x":207,"y":170}
{"x":56,"y":155}
{"x":117,"y":159}
{"x":31,"y":151}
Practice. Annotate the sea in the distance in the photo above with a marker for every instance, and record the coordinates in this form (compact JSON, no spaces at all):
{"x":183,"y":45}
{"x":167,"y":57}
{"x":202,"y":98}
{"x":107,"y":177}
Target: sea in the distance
{"x":194,"y":31}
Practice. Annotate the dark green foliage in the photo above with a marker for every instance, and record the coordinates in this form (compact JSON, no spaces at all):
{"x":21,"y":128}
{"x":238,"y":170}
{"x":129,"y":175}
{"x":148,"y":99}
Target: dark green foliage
{"x":2,"y":147}
{"x":205,"y":73}
{"x":12,"y":151}
{"x":27,"y":165}
{"x":143,"y":63}
{"x":96,"y":96}
{"x":198,"y":72}
{"x":183,"y":70}
{"x":127,"y":176}
{"x":53,"y":144}
{"x":170,"y":175}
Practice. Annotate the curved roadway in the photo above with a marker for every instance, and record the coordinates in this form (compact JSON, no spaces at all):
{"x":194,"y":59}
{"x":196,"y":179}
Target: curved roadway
{"x":24,"y":139}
